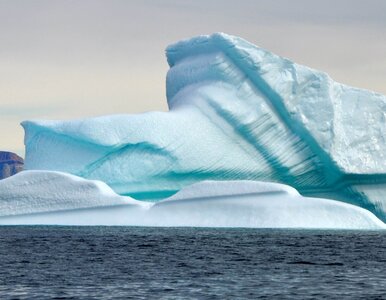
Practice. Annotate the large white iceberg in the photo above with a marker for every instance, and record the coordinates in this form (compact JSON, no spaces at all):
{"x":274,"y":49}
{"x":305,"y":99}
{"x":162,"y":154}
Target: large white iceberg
{"x":237,"y":111}
{"x":54,"y":198}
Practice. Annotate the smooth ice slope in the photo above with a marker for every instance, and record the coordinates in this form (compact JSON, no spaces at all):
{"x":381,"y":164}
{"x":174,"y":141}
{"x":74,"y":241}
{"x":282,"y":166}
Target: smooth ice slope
{"x":30,"y":192}
{"x":38,"y":197}
{"x":237,"y":111}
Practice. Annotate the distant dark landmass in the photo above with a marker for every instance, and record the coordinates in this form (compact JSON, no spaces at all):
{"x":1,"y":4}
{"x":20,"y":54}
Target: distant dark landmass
{"x":10,"y":164}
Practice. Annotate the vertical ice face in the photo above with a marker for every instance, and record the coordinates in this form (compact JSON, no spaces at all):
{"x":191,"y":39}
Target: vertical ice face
{"x":237,"y":111}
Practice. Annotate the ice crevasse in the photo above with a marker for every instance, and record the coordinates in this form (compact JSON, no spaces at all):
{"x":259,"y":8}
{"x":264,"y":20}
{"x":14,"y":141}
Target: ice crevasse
{"x":236,"y":112}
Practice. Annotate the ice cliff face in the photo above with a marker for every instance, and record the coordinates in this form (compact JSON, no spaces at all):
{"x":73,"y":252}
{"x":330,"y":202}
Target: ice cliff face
{"x":236,"y":112}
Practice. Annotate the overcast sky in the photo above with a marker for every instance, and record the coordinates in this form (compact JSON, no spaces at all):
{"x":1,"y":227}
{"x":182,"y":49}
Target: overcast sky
{"x":71,"y":59}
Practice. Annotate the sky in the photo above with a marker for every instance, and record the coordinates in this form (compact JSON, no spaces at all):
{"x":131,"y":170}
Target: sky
{"x":73,"y":59}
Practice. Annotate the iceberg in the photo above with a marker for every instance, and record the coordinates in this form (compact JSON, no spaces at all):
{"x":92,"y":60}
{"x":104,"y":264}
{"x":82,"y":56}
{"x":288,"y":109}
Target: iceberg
{"x":55,"y":198}
{"x":236,"y":112}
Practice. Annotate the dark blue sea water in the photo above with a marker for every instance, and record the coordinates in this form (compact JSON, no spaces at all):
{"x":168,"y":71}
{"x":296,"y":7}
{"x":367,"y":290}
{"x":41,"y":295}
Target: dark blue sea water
{"x":190,"y":263}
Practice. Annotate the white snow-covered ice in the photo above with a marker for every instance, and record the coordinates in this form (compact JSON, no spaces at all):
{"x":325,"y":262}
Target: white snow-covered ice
{"x":237,"y":112}
{"x":54,"y":198}
{"x":32,"y":192}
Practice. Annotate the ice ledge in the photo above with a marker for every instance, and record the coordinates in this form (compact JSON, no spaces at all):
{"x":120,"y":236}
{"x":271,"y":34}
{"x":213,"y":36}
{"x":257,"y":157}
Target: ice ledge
{"x":54,"y":198}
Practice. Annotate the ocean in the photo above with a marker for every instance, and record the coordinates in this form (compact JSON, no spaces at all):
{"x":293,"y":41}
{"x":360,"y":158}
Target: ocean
{"x":52,"y":262}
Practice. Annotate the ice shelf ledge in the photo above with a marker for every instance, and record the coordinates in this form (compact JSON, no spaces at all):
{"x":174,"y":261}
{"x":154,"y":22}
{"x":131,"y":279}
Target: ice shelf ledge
{"x":54,"y":198}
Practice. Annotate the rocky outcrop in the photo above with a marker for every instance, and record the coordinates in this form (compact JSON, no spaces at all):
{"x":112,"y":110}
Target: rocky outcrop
{"x":10,"y":164}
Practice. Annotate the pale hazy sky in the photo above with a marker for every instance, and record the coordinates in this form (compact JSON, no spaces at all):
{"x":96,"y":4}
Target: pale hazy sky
{"x":79,"y":58}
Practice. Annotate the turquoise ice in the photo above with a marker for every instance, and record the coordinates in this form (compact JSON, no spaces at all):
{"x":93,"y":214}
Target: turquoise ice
{"x":236,"y":112}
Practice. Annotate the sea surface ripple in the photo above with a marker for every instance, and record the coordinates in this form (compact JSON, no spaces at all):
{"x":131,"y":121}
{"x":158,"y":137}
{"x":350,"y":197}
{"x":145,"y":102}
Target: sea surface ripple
{"x":43,"y":262}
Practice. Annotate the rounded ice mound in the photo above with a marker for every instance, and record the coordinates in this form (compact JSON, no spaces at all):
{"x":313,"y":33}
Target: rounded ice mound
{"x":52,"y":198}
{"x":30,"y":192}
{"x":237,"y":112}
{"x":257,"y":205}
{"x":231,"y":188}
